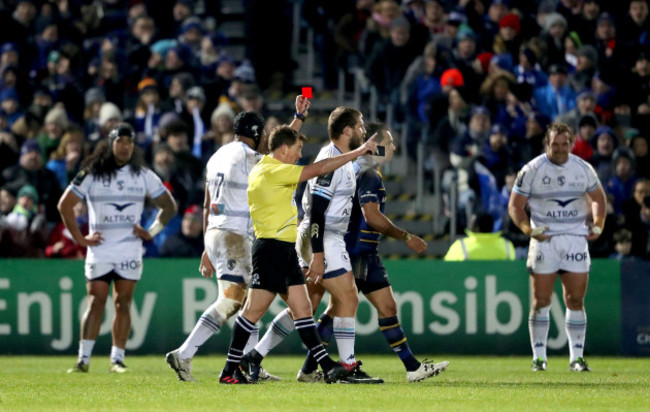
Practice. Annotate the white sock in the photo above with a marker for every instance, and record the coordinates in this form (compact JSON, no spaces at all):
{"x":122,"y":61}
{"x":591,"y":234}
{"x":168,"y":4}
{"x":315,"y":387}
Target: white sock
{"x":85,"y":350}
{"x":253,"y":339}
{"x":344,"y":334}
{"x":206,"y":326}
{"x":576,"y":328}
{"x":281,"y":326}
{"x":538,"y":326}
{"x":117,"y":354}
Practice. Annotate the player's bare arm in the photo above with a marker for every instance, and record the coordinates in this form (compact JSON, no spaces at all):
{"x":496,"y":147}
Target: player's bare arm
{"x":302,"y":111}
{"x":167,"y":209}
{"x":378,"y":221}
{"x":66,"y":209}
{"x":517,"y":212}
{"x":599,"y":212}
{"x":332,"y":163}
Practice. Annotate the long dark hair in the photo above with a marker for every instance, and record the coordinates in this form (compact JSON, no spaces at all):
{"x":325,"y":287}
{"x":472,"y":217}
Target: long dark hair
{"x":101,"y":163}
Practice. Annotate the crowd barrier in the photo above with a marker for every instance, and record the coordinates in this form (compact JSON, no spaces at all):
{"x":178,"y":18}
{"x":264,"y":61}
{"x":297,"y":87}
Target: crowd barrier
{"x":444,"y":307}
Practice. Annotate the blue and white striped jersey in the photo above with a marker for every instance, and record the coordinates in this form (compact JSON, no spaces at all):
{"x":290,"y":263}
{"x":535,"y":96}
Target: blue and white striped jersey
{"x":556,"y":193}
{"x":227,"y":181}
{"x":338,"y":187}
{"x":114,"y":207}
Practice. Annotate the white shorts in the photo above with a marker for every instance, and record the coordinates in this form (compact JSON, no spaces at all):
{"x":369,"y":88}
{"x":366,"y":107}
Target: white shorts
{"x":337,"y":260}
{"x":562,"y":252}
{"x":130,"y":269}
{"x":230,"y":254}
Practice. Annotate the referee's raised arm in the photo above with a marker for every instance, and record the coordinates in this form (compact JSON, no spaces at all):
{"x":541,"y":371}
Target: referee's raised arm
{"x":332,"y":163}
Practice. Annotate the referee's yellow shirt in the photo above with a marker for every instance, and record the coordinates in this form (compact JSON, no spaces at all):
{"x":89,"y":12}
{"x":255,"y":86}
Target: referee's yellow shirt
{"x":271,"y":185}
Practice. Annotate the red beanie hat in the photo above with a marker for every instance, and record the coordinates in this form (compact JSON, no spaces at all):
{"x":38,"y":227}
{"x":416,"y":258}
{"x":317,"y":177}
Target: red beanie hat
{"x":452,"y":77}
{"x":512,"y":21}
{"x":485,"y":59}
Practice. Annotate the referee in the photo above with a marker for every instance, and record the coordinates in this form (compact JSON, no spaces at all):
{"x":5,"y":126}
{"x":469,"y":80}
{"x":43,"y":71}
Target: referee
{"x":271,"y":186}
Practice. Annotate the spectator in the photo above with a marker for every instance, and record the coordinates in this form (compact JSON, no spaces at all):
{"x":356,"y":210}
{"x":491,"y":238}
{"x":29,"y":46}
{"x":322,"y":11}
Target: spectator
{"x":604,"y":143}
{"x":189,"y":242}
{"x":529,"y":71}
{"x":56,"y":124}
{"x":421,"y":83}
{"x":193,"y":115}
{"x":529,"y":145}
{"x":9,"y":150}
{"x":61,"y":243}
{"x":622,"y":245}
{"x":10,"y":105}
{"x":639,"y":146}
{"x":189,"y":169}
{"x":585,"y":105}
{"x":178,"y":88}
{"x":378,"y":25}
{"x":26,"y":225}
{"x":635,"y":28}
{"x":621,"y":184}
{"x":586,"y":24}
{"x":451,"y":126}
{"x":507,"y":41}
{"x":556,"y":97}
{"x":66,"y":160}
{"x":221,"y":132}
{"x":555,"y":30}
{"x":632,"y":211}
{"x":585,"y":68}
{"x":94,"y":98}
{"x":495,"y":90}
{"x":587,"y":126}
{"x":30,"y":171}
{"x":481,"y":243}
{"x":147,"y":115}
{"x":388,"y":63}
{"x":497,"y":155}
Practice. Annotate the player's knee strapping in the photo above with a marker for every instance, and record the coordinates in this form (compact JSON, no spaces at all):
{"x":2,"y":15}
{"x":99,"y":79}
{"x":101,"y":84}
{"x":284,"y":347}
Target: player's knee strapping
{"x":230,"y":300}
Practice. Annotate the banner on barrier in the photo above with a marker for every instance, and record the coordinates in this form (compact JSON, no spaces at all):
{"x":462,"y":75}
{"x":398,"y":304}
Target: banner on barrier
{"x":444,"y":307}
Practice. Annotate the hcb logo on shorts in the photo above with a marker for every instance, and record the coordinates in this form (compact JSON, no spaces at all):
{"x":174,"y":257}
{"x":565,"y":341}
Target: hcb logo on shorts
{"x":539,"y":257}
{"x":231,"y":264}
{"x":576,"y":257}
{"x":127,"y":264}
{"x":314,"y":229}
{"x":255,"y":279}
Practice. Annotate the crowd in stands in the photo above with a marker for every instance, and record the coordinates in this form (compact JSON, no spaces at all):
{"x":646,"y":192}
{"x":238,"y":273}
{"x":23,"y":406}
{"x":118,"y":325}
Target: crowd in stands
{"x":481,"y":78}
{"x":484,"y":78}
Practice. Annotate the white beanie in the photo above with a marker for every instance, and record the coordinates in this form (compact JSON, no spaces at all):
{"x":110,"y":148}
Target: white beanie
{"x":222,"y":109}
{"x":58,"y":115}
{"x":109,"y":111}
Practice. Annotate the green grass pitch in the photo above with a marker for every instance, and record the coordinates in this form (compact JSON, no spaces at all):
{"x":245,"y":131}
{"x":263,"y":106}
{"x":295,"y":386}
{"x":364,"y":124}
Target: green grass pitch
{"x":470,"y":383}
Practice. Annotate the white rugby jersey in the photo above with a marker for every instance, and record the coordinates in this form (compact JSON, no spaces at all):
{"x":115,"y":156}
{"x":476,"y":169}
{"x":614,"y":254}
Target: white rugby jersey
{"x":556,"y":193}
{"x":338,"y":187}
{"x":114,"y":207}
{"x":227,"y":182}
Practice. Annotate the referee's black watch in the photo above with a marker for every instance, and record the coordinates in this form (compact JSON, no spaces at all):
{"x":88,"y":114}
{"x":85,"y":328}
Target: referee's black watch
{"x":300,"y":116}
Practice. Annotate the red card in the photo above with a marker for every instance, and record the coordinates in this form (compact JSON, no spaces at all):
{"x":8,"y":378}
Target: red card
{"x":306,"y":92}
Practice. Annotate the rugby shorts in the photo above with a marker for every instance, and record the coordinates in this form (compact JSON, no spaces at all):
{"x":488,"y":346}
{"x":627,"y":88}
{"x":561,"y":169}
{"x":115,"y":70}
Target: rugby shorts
{"x":230,"y":254}
{"x":369,"y":273}
{"x":568,"y":253}
{"x":275,"y":266}
{"x":337,"y":259}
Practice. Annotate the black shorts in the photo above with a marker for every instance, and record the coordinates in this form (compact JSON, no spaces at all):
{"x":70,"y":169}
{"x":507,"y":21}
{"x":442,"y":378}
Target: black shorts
{"x":111,"y":276}
{"x":275,"y":266}
{"x":369,"y":273}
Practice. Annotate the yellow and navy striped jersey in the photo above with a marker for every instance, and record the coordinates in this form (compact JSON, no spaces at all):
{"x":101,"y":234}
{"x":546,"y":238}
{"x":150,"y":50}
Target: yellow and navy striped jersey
{"x":271,"y":186}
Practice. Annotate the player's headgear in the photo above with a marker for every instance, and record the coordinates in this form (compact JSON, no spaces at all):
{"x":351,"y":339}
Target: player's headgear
{"x":249,"y":124}
{"x":122,"y":129}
